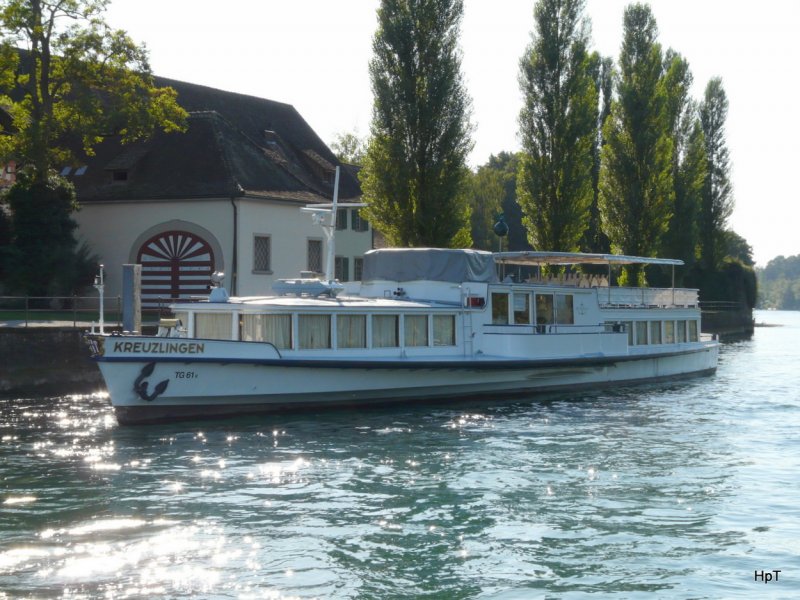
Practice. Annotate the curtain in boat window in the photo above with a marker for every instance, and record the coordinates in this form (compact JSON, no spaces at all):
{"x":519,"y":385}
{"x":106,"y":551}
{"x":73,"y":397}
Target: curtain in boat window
{"x":351,"y":331}
{"x":669,"y":332}
{"x":444,"y":330}
{"x":641,"y":333}
{"x":313,"y":332}
{"x":545,"y":313}
{"x":564,"y":313}
{"x":275,"y":329}
{"x":692,"y":331}
{"x":384,"y":331}
{"x":212,"y":326}
{"x":655,"y":332}
{"x":415,"y":330}
{"x":680,"y":327}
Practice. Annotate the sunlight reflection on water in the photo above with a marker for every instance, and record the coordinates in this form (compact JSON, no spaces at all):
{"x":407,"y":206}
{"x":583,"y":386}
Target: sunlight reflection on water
{"x":561,"y":496}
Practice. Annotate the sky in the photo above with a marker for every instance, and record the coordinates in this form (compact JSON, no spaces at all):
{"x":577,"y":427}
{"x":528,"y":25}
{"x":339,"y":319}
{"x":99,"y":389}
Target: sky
{"x":314,"y":54}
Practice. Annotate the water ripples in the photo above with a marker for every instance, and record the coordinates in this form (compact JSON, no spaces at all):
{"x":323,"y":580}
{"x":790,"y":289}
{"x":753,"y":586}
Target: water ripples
{"x":673,"y":490}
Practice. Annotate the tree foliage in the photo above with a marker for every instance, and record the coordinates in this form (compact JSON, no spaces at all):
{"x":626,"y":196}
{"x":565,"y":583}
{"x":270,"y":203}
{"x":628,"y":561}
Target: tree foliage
{"x":636,"y":176}
{"x":602,"y":68}
{"x":67,"y":79}
{"x":779,"y":283}
{"x":688,"y":163}
{"x":557,"y":127}
{"x":486,"y":193}
{"x":414,"y":173}
{"x":42,"y":261}
{"x":717,"y":200}
{"x":349,"y":148}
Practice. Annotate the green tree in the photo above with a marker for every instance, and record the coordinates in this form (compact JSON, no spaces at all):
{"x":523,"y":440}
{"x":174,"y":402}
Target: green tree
{"x":636,"y":179}
{"x":349,"y":148}
{"x":414,"y":173}
{"x":688,"y":163}
{"x":68,"y":79}
{"x":594,"y":239}
{"x":717,"y":201}
{"x":486,"y":192}
{"x":42,"y":260}
{"x":66,"y":82}
{"x":557,"y":127}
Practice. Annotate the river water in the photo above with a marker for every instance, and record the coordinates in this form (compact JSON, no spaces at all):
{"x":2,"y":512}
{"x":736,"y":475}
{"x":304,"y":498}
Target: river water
{"x":684,"y":490}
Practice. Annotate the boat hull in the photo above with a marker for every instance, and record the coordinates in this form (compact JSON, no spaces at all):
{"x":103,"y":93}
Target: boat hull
{"x":145,"y":389}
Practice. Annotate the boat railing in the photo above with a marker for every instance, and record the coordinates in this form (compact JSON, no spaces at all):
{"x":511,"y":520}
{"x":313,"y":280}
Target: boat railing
{"x":631,"y":297}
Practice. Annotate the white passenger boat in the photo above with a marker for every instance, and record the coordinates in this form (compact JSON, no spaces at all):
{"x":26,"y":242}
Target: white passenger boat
{"x":422,"y":325}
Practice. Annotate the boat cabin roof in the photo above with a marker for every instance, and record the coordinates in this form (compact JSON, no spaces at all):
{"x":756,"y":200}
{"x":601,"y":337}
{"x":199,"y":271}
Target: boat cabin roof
{"x":536,"y":258}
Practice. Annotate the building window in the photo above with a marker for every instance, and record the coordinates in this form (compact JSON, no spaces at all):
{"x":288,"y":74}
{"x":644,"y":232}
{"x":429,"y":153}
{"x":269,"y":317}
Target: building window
{"x":341,"y":268}
{"x":358,"y":223}
{"x":262,"y":254}
{"x":358,"y":268}
{"x":119,"y":175}
{"x":341,"y":219}
{"x":315,"y":256}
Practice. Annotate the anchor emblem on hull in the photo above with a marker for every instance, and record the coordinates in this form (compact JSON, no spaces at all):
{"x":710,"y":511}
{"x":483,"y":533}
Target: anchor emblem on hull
{"x":140,"y":385}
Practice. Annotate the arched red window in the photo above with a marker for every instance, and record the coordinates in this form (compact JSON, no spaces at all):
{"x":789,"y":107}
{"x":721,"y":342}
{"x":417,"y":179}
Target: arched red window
{"x":175,"y":264}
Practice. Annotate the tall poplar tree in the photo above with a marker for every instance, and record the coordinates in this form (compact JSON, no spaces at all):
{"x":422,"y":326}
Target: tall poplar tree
{"x":717,"y":204}
{"x":636,"y":175}
{"x":688,"y":163}
{"x":557,"y":127}
{"x":414,"y":174}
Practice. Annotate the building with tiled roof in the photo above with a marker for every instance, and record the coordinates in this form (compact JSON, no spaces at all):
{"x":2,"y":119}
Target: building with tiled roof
{"x":222,"y":196}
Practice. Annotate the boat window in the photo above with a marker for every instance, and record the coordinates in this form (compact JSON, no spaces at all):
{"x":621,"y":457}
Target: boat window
{"x":415,"y":330}
{"x":564,"y":312}
{"x":629,"y":329}
{"x":641,"y":333}
{"x":545,"y":313}
{"x":384,"y":331}
{"x":313,"y":332}
{"x":444,"y":330}
{"x":499,"y":308}
{"x":522,"y":308}
{"x":183,"y":319}
{"x":655,"y":332}
{"x":692,"y":331}
{"x":213,"y":326}
{"x":275,"y":329}
{"x":351,"y":331}
{"x":669,"y":332}
{"x":680,"y":326}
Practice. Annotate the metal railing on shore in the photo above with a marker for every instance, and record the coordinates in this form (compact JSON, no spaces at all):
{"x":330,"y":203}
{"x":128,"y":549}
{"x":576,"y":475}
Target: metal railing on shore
{"x":24,"y":311}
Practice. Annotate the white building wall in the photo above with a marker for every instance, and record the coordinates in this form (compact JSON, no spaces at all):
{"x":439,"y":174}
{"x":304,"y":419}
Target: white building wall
{"x":115,"y":230}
